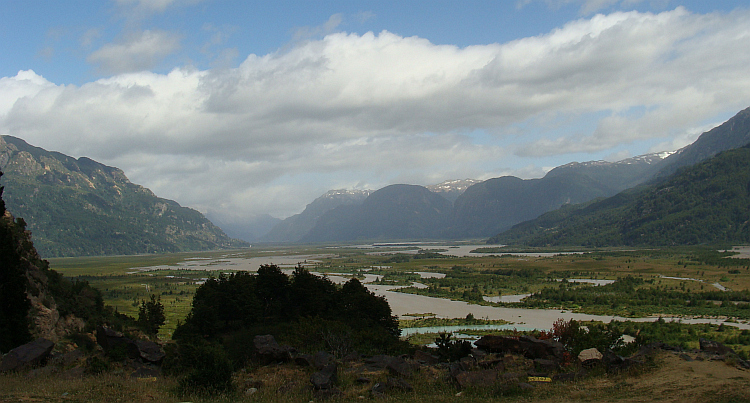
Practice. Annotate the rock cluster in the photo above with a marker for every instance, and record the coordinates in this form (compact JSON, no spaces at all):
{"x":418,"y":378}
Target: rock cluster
{"x":143,"y":356}
{"x":499,"y":362}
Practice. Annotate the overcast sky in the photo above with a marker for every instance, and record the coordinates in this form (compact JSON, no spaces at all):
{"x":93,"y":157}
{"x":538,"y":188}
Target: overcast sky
{"x":238,"y":108}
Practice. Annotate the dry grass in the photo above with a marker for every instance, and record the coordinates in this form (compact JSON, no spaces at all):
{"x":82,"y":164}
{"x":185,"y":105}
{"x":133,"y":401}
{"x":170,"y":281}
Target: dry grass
{"x":672,"y":379}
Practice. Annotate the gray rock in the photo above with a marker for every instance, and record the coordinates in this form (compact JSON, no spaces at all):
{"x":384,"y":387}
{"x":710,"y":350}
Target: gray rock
{"x":27,"y":356}
{"x":498,"y":364}
{"x":378,"y":361}
{"x":715,"y":347}
{"x":425,"y":358}
{"x":112,"y":341}
{"x":528,"y":346}
{"x":326,"y":378}
{"x":304,"y":360}
{"x":399,"y":366}
{"x":269,"y":350}
{"x":150,"y":351}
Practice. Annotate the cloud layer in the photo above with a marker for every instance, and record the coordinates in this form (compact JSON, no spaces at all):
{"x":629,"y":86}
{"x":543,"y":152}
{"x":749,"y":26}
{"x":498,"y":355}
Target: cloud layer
{"x":350,"y":110}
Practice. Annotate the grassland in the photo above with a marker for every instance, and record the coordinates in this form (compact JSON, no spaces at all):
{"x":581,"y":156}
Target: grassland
{"x":667,"y":379}
{"x":126,"y":280}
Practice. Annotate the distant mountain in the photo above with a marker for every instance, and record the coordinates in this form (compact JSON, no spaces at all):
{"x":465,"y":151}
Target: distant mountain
{"x":733,"y":133}
{"x":492,"y":206}
{"x":249,"y":229}
{"x":707,"y":203}
{"x":294,"y":228}
{"x":77,"y":207}
{"x":619,"y":175}
{"x":393,"y":212}
{"x":497,"y":204}
{"x":451,"y":189}
{"x":486,"y":208}
{"x":480,"y":208}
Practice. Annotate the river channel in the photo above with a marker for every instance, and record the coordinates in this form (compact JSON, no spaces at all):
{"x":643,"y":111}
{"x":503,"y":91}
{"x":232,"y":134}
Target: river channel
{"x":405,"y":305}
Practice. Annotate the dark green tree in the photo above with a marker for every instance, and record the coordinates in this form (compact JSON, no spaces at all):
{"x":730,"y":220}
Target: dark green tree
{"x":272,"y":289}
{"x":14,"y":304}
{"x":151,"y":315}
{"x":363,"y":308}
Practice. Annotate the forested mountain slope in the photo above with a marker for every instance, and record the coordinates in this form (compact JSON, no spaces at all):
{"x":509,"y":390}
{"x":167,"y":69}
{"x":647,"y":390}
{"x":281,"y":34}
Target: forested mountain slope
{"x":77,"y":207}
{"x":707,"y":203}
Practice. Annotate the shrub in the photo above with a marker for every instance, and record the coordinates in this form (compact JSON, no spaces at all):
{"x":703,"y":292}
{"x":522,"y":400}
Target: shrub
{"x":205,"y":368}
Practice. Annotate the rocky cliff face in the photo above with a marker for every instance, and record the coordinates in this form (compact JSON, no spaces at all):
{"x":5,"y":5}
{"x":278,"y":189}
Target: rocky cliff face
{"x":78,"y":207}
{"x":29,"y":310}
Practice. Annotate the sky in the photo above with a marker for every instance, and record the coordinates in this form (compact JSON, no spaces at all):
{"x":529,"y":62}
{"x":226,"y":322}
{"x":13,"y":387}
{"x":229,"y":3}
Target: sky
{"x":243,"y":108}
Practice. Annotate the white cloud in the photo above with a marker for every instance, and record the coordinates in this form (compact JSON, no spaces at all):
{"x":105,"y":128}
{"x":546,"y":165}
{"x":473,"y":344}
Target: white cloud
{"x":26,"y":84}
{"x":136,"y":52}
{"x":280,"y":129}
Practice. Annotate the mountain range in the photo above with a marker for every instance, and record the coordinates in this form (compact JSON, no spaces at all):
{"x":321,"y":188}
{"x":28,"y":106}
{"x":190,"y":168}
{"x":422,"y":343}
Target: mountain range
{"x":706,"y":203}
{"x":482,"y":209}
{"x":698,"y":195}
{"x":81,"y":207}
{"x":462,"y":209}
{"x":77,"y":207}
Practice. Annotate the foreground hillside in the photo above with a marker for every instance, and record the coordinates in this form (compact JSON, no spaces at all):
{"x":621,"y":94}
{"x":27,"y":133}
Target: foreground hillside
{"x":670,"y":379}
{"x":79,"y":207}
{"x":708,"y":203}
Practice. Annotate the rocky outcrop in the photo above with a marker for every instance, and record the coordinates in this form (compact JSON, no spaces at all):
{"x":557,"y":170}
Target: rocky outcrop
{"x":268,"y":350}
{"x":27,"y":356}
{"x":528,"y":346}
{"x":114,"y":342}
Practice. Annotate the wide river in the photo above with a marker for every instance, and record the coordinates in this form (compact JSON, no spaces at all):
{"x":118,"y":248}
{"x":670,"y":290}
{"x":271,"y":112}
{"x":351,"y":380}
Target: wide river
{"x":405,"y":305}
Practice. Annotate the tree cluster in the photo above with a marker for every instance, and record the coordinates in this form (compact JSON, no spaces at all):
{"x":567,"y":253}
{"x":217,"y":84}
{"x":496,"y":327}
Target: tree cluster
{"x":268,"y":300}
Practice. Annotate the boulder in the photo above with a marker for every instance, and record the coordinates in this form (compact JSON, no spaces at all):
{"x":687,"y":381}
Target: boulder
{"x":399,"y":366}
{"x":27,"y":356}
{"x":395,"y":365}
{"x":326,"y":378}
{"x":497,"y":363}
{"x":377,"y":362}
{"x":425,"y":358}
{"x":590,"y":357}
{"x":304,"y":360}
{"x":113,"y":341}
{"x":714,"y":347}
{"x":150,"y":352}
{"x":529,"y":346}
{"x":269,"y":350}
